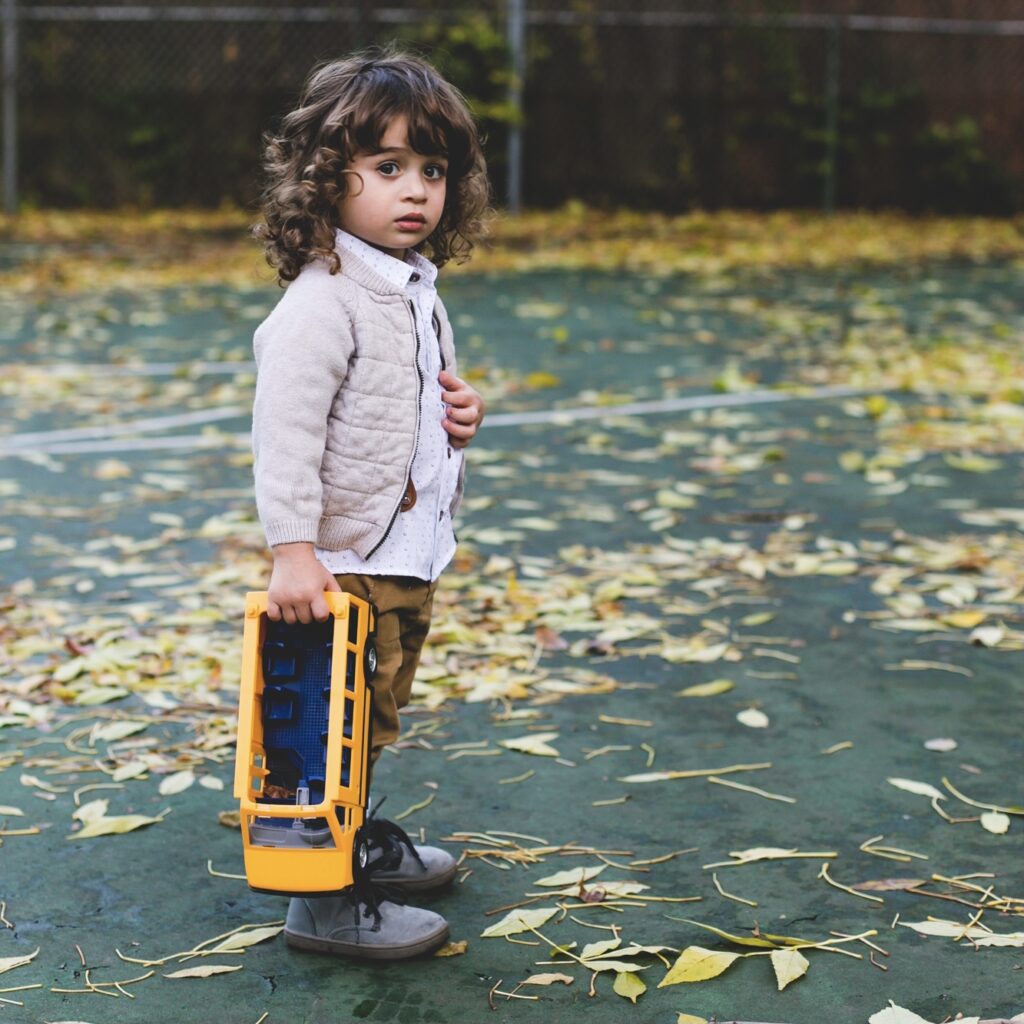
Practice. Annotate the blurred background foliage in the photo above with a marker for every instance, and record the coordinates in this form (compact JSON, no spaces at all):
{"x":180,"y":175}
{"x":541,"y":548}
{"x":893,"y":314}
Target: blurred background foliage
{"x":656,"y":116}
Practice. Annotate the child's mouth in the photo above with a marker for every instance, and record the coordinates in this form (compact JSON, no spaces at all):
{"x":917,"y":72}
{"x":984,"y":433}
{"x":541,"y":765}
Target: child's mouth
{"x":410,"y":224}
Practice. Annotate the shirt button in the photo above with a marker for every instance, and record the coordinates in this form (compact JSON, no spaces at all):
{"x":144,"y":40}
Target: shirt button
{"x":449,"y":451}
{"x":414,"y":277}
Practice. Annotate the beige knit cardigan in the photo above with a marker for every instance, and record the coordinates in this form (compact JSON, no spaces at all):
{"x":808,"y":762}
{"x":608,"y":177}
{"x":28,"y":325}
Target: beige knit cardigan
{"x":335,"y":422}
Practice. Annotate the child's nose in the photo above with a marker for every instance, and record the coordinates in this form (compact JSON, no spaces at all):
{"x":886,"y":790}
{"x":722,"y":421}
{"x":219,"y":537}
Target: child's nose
{"x":415,"y":188}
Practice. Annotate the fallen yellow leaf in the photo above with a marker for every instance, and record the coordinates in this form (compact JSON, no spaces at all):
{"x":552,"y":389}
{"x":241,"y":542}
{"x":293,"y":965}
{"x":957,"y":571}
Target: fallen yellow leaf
{"x":242,"y":940}
{"x":204,"y":972}
{"x":519,"y":921}
{"x":572,"y":877}
{"x":698,"y":964}
{"x":919,"y":788}
{"x":177,"y":783}
{"x":629,"y":986}
{"x":9,"y":963}
{"x":115,"y":826}
{"x":752,"y":718}
{"x":789,"y":964}
{"x":536,"y":743}
{"x":712,"y":689}
{"x":548,"y":979}
{"x":894,"y":1014}
{"x":995,"y":822}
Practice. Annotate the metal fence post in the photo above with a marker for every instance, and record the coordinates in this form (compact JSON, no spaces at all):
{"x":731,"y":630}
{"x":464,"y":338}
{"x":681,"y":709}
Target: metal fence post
{"x":9,"y":15}
{"x":517,"y":51}
{"x":831,"y":114}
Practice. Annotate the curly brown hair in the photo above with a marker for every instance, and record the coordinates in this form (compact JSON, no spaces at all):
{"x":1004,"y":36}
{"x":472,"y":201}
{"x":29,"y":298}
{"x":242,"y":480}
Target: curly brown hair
{"x":345,"y":108}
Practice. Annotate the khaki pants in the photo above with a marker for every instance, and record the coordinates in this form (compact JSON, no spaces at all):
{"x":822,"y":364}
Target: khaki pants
{"x":403,"y":604}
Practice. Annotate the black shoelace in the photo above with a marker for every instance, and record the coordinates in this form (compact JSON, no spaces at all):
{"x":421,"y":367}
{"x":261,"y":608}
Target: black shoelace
{"x":389,"y":838}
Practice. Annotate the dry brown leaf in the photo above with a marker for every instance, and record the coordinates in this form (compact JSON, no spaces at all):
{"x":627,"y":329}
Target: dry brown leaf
{"x":453,"y":948}
{"x":889,"y":884}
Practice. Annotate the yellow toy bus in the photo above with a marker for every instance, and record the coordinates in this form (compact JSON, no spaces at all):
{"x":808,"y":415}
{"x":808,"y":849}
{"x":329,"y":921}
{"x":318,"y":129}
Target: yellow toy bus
{"x":303,"y":742}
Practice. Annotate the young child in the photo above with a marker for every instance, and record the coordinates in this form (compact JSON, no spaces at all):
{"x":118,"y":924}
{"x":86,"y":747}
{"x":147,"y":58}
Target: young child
{"x":375,"y":181}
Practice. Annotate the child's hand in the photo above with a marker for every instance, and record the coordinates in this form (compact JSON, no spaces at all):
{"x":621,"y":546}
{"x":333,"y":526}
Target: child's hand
{"x":464,"y":409}
{"x":297,"y":585}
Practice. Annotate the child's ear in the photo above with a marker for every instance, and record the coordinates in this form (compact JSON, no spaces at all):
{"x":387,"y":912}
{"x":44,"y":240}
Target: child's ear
{"x":347,"y":184}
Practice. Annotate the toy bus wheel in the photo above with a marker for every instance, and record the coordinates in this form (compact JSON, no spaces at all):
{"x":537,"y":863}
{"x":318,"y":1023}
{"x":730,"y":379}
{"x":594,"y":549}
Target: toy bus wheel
{"x":361,"y":853}
{"x":369,"y":660}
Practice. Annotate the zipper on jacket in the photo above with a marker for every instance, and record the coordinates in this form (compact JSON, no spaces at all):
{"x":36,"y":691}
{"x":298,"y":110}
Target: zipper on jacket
{"x":437,"y":327}
{"x":416,"y":435}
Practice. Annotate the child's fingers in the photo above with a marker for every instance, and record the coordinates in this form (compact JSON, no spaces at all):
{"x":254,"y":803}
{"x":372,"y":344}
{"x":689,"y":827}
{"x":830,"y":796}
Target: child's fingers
{"x":459,"y":397}
{"x":319,"y":609}
{"x":273,"y":611}
{"x":297,"y":610}
{"x":457,"y":430}
{"x":468,"y":414}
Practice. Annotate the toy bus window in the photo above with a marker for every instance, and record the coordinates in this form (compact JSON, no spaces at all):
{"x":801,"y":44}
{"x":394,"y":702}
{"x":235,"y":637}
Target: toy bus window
{"x":353,"y":624}
{"x":350,"y":710}
{"x":346,"y":765}
{"x":295,"y":710}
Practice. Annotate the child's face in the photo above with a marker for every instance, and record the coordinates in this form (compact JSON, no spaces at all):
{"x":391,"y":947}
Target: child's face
{"x":397,"y":183}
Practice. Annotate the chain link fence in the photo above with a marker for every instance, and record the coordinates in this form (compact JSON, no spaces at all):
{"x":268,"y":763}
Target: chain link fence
{"x":917,"y":104}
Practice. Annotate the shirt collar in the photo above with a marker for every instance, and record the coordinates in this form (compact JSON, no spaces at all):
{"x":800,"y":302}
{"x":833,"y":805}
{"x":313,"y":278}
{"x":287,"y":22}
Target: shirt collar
{"x":398,"y":272}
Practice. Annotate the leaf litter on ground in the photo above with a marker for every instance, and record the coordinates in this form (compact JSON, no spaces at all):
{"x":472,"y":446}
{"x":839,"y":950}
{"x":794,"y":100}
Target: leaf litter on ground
{"x":963,"y":586}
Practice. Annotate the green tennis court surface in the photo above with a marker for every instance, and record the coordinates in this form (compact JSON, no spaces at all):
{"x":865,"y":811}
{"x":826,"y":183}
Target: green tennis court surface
{"x":852,"y":565}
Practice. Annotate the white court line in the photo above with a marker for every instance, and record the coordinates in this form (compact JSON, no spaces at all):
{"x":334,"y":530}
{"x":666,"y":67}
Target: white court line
{"x":103,"y":439}
{"x":187,"y":370}
{"x":193,"y":442}
{"x":591,"y":412}
{"x":183,"y":419}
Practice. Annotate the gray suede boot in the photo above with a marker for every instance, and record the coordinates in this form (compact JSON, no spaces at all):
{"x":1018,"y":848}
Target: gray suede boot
{"x":394,"y":860}
{"x":378,"y":930}
{"x":427,"y":868}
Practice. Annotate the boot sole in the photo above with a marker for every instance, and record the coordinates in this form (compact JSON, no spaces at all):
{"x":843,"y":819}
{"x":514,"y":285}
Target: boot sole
{"x":417,"y":884}
{"x":336,"y":947}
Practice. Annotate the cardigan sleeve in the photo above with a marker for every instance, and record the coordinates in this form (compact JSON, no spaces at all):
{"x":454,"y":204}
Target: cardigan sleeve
{"x":302,"y":353}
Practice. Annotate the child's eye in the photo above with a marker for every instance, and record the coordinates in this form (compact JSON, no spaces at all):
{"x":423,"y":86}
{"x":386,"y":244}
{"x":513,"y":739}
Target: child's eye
{"x":441,"y":171}
{"x":383,"y":168}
